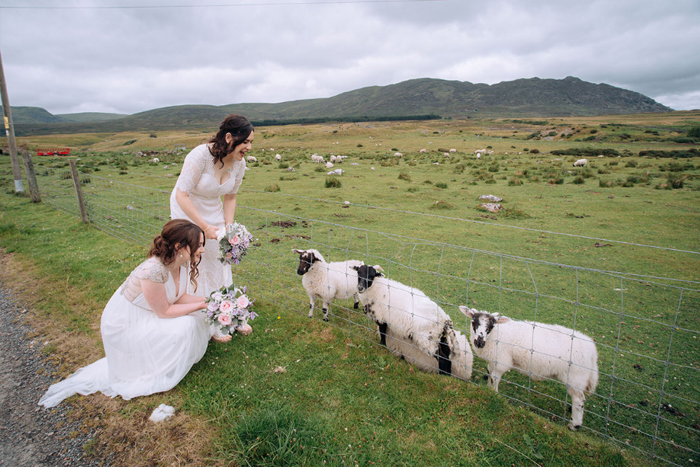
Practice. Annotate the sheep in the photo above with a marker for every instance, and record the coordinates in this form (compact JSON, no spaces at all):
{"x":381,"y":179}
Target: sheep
{"x":329,"y":165}
{"x":339,"y":159}
{"x":478,"y":156}
{"x":580,"y":163}
{"x":460,"y":354}
{"x":423,"y":151}
{"x":410,"y":314}
{"x":251,"y":159}
{"x":333,"y":158}
{"x":278,"y":157}
{"x":453,"y":150}
{"x":335,"y":172}
{"x":540,"y":351}
{"x":316,"y":159}
{"x":398,"y":154}
{"x":327,"y":281}
{"x":155,"y":160}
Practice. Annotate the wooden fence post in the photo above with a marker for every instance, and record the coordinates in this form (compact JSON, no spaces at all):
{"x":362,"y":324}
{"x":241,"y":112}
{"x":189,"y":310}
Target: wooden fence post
{"x":78,"y":191}
{"x":31,"y":176}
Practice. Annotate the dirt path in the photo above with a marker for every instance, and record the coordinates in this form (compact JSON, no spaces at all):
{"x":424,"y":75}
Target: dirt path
{"x":31,"y":435}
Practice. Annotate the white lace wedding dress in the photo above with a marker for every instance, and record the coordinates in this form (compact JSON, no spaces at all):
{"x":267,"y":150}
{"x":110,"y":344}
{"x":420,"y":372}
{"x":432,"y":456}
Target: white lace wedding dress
{"x":197,"y":179}
{"x":144,"y":354}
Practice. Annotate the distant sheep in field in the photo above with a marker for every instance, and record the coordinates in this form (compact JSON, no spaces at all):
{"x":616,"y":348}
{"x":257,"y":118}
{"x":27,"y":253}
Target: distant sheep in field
{"x":251,"y":159}
{"x":537,"y":350}
{"x":316,"y":159}
{"x":278,"y":157}
{"x":333,"y":158}
{"x":328,"y":281}
{"x":339,"y":159}
{"x":446,"y":154}
{"x":453,"y":150}
{"x":155,"y":160}
{"x":423,"y":151}
{"x":335,"y":172}
{"x":580,"y":163}
{"x":329,"y":165}
{"x":398,"y":154}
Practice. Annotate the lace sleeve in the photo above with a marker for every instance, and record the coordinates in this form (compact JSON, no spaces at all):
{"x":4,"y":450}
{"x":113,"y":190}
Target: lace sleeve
{"x":192,"y":169}
{"x":153,"y":270}
{"x":240,"y":173}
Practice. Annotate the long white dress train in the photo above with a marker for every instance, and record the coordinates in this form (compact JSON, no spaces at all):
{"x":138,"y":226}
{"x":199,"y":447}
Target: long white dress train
{"x":144,"y":354}
{"x":198,"y":181}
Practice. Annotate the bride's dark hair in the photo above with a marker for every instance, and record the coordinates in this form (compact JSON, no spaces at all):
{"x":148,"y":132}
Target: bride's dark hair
{"x":181,"y":233}
{"x":239,"y":127}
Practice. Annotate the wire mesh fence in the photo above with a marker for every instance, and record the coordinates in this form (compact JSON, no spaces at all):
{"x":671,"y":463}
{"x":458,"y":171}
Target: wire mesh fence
{"x":645,"y":329}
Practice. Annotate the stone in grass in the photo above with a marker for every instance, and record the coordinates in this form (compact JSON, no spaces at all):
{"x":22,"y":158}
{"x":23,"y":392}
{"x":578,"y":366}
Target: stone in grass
{"x":492,"y":198}
{"x":162,"y":412}
{"x":491,"y":207}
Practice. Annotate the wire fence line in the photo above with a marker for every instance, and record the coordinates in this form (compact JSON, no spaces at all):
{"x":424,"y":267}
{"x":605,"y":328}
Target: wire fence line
{"x":646,"y":330}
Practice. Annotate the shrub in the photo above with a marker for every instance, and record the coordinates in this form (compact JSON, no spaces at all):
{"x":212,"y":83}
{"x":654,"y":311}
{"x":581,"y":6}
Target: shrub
{"x":557,"y":180}
{"x":594,"y":131}
{"x":441,"y":205}
{"x":534,"y":151}
{"x":283,"y":165}
{"x":515,"y":213}
{"x":514,"y":181}
{"x":332,"y":182}
{"x":320,"y":169}
{"x":675,"y":181}
{"x":631,"y":164}
{"x":493,"y":167}
{"x":441,"y":185}
{"x":694,"y":132}
{"x":131,"y":141}
{"x":552,"y":133}
{"x":272,"y":188}
{"x":579,"y":180}
{"x":404,"y":176}
{"x":606,"y":183}
{"x":413,"y":189}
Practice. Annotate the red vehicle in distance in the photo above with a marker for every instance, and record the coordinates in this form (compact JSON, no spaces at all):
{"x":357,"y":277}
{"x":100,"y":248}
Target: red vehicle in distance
{"x":53,"y":152}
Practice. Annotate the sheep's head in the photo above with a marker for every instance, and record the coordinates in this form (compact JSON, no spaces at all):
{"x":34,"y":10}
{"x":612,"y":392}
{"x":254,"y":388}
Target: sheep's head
{"x":482,"y":324}
{"x":306,"y":259}
{"x":366,"y":275}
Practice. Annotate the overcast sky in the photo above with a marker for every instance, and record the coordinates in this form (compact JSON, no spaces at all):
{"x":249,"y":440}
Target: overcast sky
{"x":128,"y":56}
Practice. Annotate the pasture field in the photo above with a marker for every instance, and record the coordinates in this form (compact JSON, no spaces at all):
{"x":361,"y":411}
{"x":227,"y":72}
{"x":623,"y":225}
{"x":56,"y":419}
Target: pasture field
{"x":610,"y":249}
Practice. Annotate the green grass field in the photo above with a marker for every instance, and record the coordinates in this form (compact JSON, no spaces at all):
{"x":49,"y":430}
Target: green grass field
{"x":610,"y":249}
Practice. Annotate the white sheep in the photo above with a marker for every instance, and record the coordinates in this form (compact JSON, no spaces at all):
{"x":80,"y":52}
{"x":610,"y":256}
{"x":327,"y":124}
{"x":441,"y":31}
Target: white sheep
{"x":580,"y":163}
{"x":316,"y":159}
{"x":329,"y":165}
{"x":540,"y":351}
{"x":453,"y":150}
{"x":278,"y":157}
{"x":327,"y":281}
{"x":411,"y":315}
{"x":339,"y":159}
{"x":333,"y":158}
{"x":460,"y":354}
{"x":423,"y":151}
{"x":251,"y":159}
{"x":398,"y":154}
{"x":155,"y":160}
{"x":335,"y":172}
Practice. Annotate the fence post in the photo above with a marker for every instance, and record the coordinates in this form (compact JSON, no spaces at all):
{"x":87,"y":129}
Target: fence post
{"x":78,"y":191}
{"x":31,"y":176}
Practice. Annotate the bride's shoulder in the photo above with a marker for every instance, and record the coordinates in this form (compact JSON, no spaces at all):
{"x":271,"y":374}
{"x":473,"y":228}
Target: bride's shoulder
{"x":152,"y":269}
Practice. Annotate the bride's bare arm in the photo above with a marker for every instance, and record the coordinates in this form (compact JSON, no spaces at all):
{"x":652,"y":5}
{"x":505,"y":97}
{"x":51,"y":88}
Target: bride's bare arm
{"x":229,"y":208}
{"x":187,"y":298}
{"x":154,"y":293}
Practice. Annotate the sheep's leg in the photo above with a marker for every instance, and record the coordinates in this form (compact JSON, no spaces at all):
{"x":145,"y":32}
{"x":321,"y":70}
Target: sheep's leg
{"x":577,"y":400}
{"x":443,"y":356}
{"x":357,"y":301}
{"x":382,"y":333}
{"x":311,"y":306}
{"x":494,"y":376}
{"x":326,"y":306}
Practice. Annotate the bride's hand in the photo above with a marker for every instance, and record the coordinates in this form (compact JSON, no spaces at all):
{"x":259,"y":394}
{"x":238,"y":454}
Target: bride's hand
{"x":211,"y":233}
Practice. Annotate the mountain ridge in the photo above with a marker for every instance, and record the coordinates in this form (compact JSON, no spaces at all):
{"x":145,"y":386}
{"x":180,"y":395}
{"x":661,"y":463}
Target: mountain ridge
{"x":420,"y":97}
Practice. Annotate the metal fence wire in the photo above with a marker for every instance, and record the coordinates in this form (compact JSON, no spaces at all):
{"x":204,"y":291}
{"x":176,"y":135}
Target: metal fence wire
{"x":645,"y":329}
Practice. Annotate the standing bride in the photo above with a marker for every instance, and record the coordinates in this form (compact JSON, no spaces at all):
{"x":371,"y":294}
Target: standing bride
{"x":210,"y":171}
{"x":151,"y":328}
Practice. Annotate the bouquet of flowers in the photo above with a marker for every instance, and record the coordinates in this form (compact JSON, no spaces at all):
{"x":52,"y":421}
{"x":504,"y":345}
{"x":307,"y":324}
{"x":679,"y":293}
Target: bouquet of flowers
{"x":228,"y":308}
{"x":234,"y":243}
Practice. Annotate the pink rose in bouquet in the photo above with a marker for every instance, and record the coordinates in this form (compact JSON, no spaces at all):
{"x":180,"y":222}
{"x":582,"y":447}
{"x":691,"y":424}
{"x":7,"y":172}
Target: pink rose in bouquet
{"x":242,"y":302}
{"x":225,"y":320}
{"x":228,"y":308}
{"x":234,"y":244}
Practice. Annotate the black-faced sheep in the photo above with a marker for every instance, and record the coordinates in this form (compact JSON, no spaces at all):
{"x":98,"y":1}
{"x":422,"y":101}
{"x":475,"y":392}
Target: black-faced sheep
{"x":540,"y":351}
{"x":327,"y":281}
{"x":409,"y":313}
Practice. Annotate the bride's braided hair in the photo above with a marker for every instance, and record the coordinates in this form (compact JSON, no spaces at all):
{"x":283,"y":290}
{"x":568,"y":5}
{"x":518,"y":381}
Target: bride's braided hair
{"x":239,"y":127}
{"x":182,"y":233}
